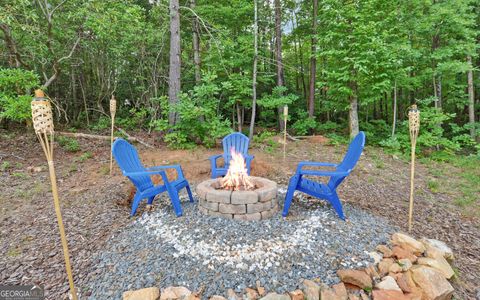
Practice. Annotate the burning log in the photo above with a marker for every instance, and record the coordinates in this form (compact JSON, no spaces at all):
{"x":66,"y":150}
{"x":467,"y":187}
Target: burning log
{"x":237,"y":177}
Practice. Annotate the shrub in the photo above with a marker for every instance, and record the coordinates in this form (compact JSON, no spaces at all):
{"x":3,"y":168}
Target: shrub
{"x":198,"y":120}
{"x":304,"y":124}
{"x":15,"y":97}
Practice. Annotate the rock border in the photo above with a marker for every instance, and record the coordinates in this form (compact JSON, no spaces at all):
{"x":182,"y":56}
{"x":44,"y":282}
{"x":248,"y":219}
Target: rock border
{"x":407,"y":269}
{"x":256,"y":205}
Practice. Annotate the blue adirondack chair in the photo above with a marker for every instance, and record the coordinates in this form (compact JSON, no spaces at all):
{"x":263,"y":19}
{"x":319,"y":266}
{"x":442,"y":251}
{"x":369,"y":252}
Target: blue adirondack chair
{"x":127,"y":158}
{"x":235,"y":140}
{"x":325,"y":191}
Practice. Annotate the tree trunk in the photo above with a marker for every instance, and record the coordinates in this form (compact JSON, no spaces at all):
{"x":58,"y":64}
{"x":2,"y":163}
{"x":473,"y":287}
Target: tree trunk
{"x":174,"y":70}
{"x":394,"y":123}
{"x":14,"y":58}
{"x":196,"y":45}
{"x":471,"y":99}
{"x":278,"y":57}
{"x":239,"y":117}
{"x":353,"y":111}
{"x":313,"y":61}
{"x":254,"y":79}
{"x":302,"y":66}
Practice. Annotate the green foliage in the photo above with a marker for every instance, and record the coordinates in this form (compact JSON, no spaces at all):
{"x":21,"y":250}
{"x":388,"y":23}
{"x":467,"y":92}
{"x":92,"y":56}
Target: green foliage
{"x":69,"y":144}
{"x":262,"y":137}
{"x":304,"y":124}
{"x":198,"y":120}
{"x":14,"y":100}
{"x":335,"y":139}
{"x":85,"y":156}
{"x":5,"y":166}
{"x":328,"y":127}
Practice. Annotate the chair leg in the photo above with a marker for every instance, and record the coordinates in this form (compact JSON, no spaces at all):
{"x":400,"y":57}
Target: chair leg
{"x":150,"y":200}
{"x":189,"y":193}
{"x":337,"y":205}
{"x":173,"y":193}
{"x":288,"y":198}
{"x":135,"y":203}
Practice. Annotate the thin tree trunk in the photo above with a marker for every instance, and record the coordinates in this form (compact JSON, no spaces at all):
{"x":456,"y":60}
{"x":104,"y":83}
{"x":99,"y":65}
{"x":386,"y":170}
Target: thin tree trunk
{"x":300,"y":53}
{"x":174,"y":70}
{"x":471,"y":99}
{"x":239,"y":117}
{"x":278,"y":57}
{"x":394,"y":123}
{"x":196,"y":45}
{"x":353,"y":111}
{"x":313,"y":61}
{"x":254,"y":79}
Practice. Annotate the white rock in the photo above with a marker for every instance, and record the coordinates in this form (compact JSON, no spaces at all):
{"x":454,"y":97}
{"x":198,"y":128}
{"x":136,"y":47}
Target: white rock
{"x":388,"y":283}
{"x":440,"y":246}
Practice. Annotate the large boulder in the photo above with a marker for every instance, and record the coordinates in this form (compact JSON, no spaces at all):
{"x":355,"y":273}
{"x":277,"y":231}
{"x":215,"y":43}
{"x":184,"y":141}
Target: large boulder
{"x":435,"y":246}
{"x":275,"y":296}
{"x":401,"y":253}
{"x":297,"y":295}
{"x":433,"y":284}
{"x":408,"y":243}
{"x":388,"y":283}
{"x":311,"y":290}
{"x":439,"y":263}
{"x":151,"y":293}
{"x":340,"y":291}
{"x":174,"y":293}
{"x":388,"y":295}
{"x":355,"y":277}
{"x":387,"y":252}
{"x":384,"y":266}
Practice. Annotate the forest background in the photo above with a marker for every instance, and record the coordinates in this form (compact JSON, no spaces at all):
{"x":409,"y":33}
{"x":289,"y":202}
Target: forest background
{"x":192,"y":71}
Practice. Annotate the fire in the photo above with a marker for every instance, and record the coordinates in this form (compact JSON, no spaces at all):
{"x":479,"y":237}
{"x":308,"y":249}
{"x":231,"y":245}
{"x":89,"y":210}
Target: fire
{"x":237,"y":177}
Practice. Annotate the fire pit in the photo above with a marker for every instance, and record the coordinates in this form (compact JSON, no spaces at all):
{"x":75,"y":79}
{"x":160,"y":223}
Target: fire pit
{"x":238,"y":195}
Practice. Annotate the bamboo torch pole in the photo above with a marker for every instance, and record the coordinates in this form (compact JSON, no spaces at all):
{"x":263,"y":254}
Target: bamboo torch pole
{"x":285,"y":117}
{"x":113,"y":110}
{"x":414,"y":127}
{"x":43,"y":125}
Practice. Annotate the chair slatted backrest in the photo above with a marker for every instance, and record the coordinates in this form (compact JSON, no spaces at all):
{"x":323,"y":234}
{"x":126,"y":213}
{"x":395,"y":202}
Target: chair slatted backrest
{"x":235,"y":140}
{"x":128,"y":160}
{"x":350,"y":159}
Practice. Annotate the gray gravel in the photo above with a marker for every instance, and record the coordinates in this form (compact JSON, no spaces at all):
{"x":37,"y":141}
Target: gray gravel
{"x":159,"y":249}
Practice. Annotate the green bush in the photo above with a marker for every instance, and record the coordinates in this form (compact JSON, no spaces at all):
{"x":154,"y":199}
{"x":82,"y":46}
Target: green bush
{"x":15,"y":97}
{"x":438,"y":138}
{"x":198,"y":121}
{"x":304,"y":124}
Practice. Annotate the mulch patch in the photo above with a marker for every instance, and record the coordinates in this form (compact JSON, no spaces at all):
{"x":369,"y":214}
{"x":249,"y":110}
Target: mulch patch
{"x":30,"y":246}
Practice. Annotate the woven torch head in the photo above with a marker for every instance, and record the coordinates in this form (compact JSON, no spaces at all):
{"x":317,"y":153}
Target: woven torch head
{"x":414,"y":121}
{"x":113,"y":105}
{"x":42,"y":113}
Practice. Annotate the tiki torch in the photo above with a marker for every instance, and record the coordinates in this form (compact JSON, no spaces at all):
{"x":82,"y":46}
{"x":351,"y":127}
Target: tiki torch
{"x":43,"y":124}
{"x":285,"y":117}
{"x":113,"y":110}
{"x":414,"y":126}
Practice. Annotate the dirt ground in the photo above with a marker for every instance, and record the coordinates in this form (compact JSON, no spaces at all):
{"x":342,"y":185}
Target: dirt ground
{"x":94,"y":203}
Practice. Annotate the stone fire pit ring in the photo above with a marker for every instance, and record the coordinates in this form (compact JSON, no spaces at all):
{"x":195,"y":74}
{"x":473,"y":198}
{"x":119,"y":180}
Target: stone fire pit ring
{"x":255,"y":205}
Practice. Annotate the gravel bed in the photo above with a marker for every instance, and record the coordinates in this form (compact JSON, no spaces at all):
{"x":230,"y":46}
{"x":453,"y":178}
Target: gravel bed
{"x":159,"y":249}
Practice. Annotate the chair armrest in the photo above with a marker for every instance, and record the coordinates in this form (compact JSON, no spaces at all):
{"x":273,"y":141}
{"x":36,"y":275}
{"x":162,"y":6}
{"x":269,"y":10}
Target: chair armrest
{"x":176,"y":167}
{"x":143,"y":173}
{"x":314,"y":164}
{"x":213,"y":160}
{"x":323,"y":173}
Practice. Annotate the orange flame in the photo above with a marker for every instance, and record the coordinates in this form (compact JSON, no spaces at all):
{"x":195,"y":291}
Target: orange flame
{"x":237,"y":177}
